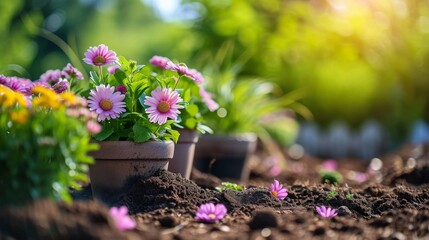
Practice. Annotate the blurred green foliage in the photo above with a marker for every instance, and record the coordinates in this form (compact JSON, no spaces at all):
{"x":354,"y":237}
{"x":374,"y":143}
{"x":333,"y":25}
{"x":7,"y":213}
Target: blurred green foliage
{"x":15,"y":44}
{"x":249,"y":103}
{"x":354,"y":59}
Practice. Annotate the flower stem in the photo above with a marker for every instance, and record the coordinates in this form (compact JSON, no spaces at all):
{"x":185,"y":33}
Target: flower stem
{"x":177,"y":82}
{"x":157,"y":129}
{"x":100,"y":72}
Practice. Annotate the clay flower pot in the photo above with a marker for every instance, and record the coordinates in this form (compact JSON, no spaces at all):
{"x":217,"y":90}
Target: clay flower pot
{"x":225,"y":156}
{"x":184,"y":153}
{"x":116,"y":162}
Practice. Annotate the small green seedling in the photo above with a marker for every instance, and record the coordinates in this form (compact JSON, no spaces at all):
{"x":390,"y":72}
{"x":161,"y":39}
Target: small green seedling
{"x":331,"y":177}
{"x":349,"y":196}
{"x":229,"y":185}
{"x":332,"y":194}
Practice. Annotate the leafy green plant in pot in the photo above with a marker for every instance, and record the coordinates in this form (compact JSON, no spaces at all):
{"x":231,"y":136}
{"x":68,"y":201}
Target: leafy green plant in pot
{"x":246,"y":109}
{"x":45,"y":139}
{"x":139,"y":108}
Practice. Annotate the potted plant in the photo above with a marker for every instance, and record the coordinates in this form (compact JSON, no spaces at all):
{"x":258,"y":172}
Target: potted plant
{"x":139,"y":108}
{"x":199,"y":102}
{"x":248,"y":108}
{"x":45,"y":139}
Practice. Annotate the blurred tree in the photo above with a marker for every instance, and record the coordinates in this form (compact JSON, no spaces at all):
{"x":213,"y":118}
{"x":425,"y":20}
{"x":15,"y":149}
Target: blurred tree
{"x":48,"y":34}
{"x":15,"y":42}
{"x":136,"y":31}
{"x":356,"y":59}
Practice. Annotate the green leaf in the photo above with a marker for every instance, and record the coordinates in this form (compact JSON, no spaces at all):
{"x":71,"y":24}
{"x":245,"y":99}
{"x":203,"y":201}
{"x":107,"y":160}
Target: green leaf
{"x":141,"y":133}
{"x":123,"y":62}
{"x":94,"y":77}
{"x":142,"y":98}
{"x":120,"y":77}
{"x":192,"y":109}
{"x":190,"y":123}
{"x":186,"y":94}
{"x":173,"y":134}
{"x":104,"y":134}
{"x":139,"y":68}
{"x":204,"y":129}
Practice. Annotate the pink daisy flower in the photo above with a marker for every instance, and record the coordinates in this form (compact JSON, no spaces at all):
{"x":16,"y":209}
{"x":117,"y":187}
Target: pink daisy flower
{"x":100,"y":56}
{"x":326,"y":212}
{"x":210,"y":212}
{"x":107,"y":103}
{"x":278,"y":190}
{"x":159,"y":61}
{"x":162,"y":105}
{"x":122,"y":221}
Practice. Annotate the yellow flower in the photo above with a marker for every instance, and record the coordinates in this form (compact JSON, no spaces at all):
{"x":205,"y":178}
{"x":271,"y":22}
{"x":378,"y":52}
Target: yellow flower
{"x":19,"y":116}
{"x":45,"y":98}
{"x":9,"y":98}
{"x":68,"y":98}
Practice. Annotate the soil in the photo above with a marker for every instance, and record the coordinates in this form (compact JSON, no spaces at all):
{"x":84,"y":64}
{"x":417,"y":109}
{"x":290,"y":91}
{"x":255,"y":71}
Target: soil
{"x":393,"y":203}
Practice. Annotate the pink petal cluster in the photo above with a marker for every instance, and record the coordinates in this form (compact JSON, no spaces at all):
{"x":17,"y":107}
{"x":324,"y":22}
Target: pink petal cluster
{"x":70,"y":72}
{"x":121,"y":88}
{"x":16,"y":83}
{"x":112,"y":69}
{"x":122,"y":221}
{"x":329,"y":165}
{"x":93,"y":127}
{"x":61,"y":86}
{"x":210,"y":212}
{"x":29,"y":87}
{"x":51,"y":76}
{"x":179,"y":68}
{"x":195,"y":75}
{"x":278,"y":190}
{"x":326,"y":212}
{"x":207,"y":99}
{"x":166,"y":63}
{"x":107,"y":103}
{"x":100,"y":56}
{"x":163,"y":104}
{"x":159,"y":61}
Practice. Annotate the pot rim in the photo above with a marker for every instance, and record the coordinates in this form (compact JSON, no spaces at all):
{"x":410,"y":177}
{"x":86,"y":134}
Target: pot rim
{"x":114,"y":150}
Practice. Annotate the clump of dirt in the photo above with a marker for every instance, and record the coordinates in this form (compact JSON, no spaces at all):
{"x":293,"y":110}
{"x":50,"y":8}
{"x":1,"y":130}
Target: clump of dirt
{"x":166,"y":190}
{"x":416,"y":176}
{"x":50,"y":220}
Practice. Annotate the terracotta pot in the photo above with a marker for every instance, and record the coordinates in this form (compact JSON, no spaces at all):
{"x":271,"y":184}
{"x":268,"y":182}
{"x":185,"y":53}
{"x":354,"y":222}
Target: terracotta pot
{"x":184,"y":153}
{"x":116,"y":162}
{"x":225,"y":156}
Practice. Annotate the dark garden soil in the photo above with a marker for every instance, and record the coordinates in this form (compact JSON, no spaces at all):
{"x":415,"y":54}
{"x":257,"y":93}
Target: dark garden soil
{"x":392,"y":204}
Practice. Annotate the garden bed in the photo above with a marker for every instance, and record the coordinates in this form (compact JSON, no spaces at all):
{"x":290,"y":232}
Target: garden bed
{"x":392,"y":204}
